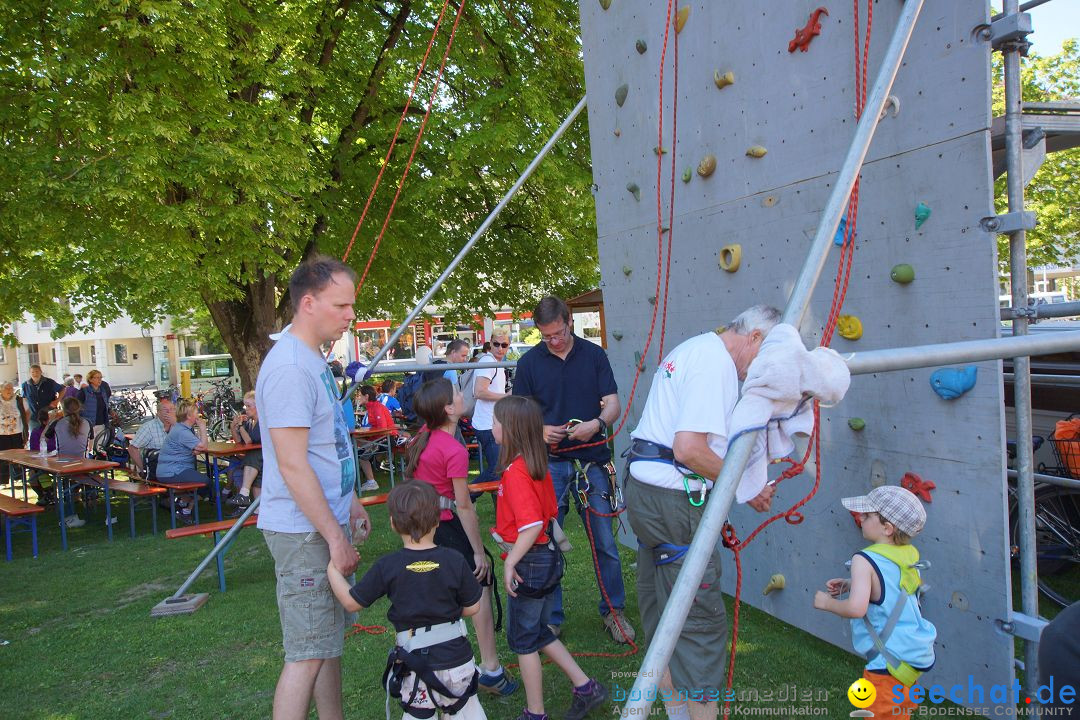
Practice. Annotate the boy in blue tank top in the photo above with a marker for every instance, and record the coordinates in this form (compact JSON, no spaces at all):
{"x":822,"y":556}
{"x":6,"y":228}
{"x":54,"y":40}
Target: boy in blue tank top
{"x":887,"y":627}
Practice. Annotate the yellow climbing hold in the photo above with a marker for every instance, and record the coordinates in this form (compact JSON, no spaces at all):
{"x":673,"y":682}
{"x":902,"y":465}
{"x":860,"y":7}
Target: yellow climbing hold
{"x":680,"y":18}
{"x":756,"y":151}
{"x":849,"y":327}
{"x":707,"y":165}
{"x":776,"y":582}
{"x":722,"y":80}
{"x":730,"y":257}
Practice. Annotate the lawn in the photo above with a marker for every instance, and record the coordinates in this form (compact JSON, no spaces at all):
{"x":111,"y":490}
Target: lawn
{"x":81,"y":642}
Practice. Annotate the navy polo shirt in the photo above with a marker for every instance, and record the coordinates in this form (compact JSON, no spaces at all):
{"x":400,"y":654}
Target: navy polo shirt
{"x":569,"y":389}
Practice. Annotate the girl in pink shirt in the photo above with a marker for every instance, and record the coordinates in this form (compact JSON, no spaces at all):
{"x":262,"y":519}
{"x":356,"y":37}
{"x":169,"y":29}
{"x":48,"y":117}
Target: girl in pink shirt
{"x":436,"y":457}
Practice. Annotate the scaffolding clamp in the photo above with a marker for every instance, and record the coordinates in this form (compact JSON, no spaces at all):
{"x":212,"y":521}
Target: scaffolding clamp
{"x":1022,"y":626}
{"x":1009,"y":222}
{"x":1009,"y":32}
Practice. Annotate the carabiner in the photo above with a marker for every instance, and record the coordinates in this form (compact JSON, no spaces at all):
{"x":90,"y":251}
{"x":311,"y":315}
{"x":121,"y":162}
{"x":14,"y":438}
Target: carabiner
{"x":689,"y":495}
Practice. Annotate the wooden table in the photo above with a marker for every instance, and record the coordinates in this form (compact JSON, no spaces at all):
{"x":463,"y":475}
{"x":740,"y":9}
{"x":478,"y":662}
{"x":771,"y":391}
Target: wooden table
{"x":215,"y":450}
{"x":375,"y":436}
{"x":62,"y":468}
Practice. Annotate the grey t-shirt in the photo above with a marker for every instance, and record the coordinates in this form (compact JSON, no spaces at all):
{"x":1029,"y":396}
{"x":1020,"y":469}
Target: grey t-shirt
{"x":295,"y":389}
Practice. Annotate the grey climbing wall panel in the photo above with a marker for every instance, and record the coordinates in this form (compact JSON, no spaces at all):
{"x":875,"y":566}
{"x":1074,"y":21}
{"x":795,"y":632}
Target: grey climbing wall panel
{"x":932,"y":147}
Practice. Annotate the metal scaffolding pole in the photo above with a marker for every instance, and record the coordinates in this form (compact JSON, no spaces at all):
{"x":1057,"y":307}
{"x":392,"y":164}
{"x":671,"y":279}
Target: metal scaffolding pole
{"x":1025,"y":454}
{"x":716,"y":511}
{"x":472,"y":241}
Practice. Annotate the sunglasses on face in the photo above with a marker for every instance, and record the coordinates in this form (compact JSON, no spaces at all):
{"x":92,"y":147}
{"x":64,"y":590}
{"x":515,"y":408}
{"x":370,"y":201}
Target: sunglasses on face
{"x":498,"y":344}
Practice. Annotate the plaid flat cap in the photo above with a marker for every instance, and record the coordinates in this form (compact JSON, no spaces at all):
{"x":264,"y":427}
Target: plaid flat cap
{"x":894,"y":504}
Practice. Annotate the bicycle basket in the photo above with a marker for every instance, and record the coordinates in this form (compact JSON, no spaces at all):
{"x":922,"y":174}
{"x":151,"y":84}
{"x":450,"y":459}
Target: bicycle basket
{"x":1066,"y":442}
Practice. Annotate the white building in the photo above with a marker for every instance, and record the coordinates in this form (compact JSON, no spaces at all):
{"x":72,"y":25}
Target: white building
{"x":125,"y":353}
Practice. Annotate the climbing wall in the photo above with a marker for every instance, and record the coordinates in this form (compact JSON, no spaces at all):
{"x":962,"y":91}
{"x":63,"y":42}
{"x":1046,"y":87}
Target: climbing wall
{"x":761,"y":134}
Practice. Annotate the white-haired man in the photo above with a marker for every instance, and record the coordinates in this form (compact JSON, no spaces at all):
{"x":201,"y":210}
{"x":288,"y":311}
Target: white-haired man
{"x":676,"y":449}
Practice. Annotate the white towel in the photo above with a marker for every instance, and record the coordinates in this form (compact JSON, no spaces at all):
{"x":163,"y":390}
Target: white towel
{"x":783,"y":372}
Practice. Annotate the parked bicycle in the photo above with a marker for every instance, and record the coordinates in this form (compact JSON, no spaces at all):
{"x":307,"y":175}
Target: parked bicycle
{"x":219,"y":406}
{"x":131,"y":406}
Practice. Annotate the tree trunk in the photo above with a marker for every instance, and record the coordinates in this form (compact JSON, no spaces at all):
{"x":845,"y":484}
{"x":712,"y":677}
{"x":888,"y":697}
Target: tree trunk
{"x":245,"y":326}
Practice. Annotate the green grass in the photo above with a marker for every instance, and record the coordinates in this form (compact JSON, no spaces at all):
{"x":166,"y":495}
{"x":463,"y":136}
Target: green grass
{"x":82,"y":643}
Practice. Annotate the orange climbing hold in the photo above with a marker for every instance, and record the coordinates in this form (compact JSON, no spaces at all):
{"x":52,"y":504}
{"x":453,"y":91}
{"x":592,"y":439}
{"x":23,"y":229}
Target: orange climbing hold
{"x":804,"y":35}
{"x":921,"y":488}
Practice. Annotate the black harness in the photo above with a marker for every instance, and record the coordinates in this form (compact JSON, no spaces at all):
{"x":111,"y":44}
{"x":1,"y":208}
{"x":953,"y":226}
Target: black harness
{"x":398,"y":666}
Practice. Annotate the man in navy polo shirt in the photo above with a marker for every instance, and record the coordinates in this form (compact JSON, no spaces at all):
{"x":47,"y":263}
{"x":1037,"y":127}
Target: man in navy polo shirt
{"x":571,"y":378}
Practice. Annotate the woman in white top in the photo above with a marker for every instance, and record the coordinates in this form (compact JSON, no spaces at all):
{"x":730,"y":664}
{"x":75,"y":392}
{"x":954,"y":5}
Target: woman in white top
{"x":14,"y":425}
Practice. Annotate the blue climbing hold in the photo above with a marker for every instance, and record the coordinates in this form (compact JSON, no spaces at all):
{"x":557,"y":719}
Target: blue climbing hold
{"x":841,"y":230}
{"x":922,"y":214}
{"x":951,"y":383}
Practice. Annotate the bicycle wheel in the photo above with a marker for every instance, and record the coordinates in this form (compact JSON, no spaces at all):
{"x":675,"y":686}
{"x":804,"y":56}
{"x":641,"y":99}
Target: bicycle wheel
{"x":218,"y":429}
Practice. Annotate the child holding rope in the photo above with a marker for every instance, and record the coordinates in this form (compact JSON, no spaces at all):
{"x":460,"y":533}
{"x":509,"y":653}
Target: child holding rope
{"x":887,"y":626}
{"x":431,"y":668}
{"x":533,"y":565}
{"x":438,"y":459}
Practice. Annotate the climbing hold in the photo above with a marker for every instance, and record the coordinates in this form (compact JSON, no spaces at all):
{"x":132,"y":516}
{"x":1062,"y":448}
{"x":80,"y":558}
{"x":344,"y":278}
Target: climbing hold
{"x":634,"y":190}
{"x":618,"y":132}
{"x":769,"y":200}
{"x":722,"y":80}
{"x":922,"y":214}
{"x":707,"y":165}
{"x":902,"y":273}
{"x":857,"y":424}
{"x":776,"y":582}
{"x":892,"y":101}
{"x":921,"y":488}
{"x":878,"y":476}
{"x":605,"y":4}
{"x":857,"y":517}
{"x":641,"y":46}
{"x":849,"y":327}
{"x":687,"y":174}
{"x":730,"y":257}
{"x":626,"y":270}
{"x":657,"y":150}
{"x":951,"y":383}
{"x":841,"y":231}
{"x":620,"y":94}
{"x":639,"y":362}
{"x":805,"y":34}
{"x":680,"y":18}
{"x":652,"y":299}
{"x":756,"y":151}
{"x":617,"y":334}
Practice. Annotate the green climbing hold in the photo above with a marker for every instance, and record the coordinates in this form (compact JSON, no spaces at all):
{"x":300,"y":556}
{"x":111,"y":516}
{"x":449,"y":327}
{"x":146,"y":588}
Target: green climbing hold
{"x":641,"y":46}
{"x":616,"y":334}
{"x":634,"y":190}
{"x":620,"y":94}
{"x":922,"y":214}
{"x":902,"y":273}
{"x":626,"y":270}
{"x":687,"y":175}
{"x":652,"y":299}
{"x":856,"y":424}
{"x":605,"y":4}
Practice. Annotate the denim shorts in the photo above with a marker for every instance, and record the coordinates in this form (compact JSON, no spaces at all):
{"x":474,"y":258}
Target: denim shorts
{"x":313,"y":622}
{"x":527,"y":628}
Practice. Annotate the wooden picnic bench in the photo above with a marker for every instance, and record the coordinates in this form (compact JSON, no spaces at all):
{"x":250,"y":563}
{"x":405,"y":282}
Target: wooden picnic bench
{"x":18,"y":512}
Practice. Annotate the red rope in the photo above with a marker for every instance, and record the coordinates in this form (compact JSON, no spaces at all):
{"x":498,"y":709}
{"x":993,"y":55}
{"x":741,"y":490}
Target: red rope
{"x":397,"y":130}
{"x":840,"y":286}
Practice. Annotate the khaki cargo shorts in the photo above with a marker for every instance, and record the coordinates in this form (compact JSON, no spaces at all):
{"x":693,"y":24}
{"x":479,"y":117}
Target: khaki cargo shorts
{"x":313,"y":622}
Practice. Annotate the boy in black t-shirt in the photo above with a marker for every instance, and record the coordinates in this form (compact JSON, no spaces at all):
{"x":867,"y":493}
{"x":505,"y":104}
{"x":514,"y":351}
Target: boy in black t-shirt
{"x":431,"y":589}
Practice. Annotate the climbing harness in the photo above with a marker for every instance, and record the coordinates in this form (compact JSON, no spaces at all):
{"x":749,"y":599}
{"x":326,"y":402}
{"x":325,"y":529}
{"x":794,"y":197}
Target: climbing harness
{"x":648,"y":451}
{"x":409,"y":655}
{"x":667,"y":553}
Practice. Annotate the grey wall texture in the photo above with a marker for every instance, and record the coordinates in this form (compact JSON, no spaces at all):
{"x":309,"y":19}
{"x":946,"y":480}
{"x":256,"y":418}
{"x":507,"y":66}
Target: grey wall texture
{"x":799,"y":106}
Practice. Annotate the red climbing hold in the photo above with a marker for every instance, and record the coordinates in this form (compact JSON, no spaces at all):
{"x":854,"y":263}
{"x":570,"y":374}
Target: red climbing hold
{"x":804,"y":35}
{"x":857,"y":517}
{"x":921,"y":488}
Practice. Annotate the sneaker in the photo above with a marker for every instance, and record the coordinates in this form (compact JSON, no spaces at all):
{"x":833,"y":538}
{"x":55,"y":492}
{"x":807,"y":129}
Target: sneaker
{"x":617,"y":629}
{"x":369,"y":485}
{"x":111,"y":520}
{"x":592,"y":696}
{"x":240,"y":501}
{"x":185,"y":516}
{"x":526,"y":715}
{"x":501,"y":684}
{"x":74,"y":521}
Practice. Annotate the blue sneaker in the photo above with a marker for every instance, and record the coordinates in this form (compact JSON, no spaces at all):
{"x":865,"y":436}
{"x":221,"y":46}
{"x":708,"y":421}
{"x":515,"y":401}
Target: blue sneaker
{"x":501,"y":684}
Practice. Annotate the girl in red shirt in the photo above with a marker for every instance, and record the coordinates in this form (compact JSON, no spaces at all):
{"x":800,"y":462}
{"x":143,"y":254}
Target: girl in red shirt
{"x":437,"y":458}
{"x":533,"y":566}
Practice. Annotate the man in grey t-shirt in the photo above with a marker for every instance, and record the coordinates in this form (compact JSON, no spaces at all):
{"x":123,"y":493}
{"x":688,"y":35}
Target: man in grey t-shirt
{"x":309,"y":503}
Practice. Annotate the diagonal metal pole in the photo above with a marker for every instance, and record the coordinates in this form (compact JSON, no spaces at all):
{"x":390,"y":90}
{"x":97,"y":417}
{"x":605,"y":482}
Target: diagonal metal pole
{"x":716,"y":512}
{"x":472,"y":240}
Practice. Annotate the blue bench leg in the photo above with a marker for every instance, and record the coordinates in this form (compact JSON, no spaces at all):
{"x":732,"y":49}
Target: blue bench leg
{"x":108,"y":507}
{"x":33,"y":532}
{"x":131,"y":512}
{"x":153,"y":510}
{"x":220,"y":565}
{"x":7,"y":537}
{"x":172,"y":509}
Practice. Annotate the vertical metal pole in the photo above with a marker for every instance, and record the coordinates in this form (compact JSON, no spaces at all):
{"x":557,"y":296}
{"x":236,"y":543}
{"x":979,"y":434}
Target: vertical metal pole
{"x":1025,"y":463}
{"x":643,"y":693}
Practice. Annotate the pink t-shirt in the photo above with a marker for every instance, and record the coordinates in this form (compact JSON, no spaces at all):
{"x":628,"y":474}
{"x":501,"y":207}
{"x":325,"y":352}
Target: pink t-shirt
{"x":443,"y":459}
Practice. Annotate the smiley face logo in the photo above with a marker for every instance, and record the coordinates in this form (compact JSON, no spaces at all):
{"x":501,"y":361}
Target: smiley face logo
{"x":861,"y":693}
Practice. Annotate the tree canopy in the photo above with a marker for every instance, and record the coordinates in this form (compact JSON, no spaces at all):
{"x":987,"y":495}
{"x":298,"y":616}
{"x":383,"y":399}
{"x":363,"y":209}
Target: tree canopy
{"x":162,"y":154}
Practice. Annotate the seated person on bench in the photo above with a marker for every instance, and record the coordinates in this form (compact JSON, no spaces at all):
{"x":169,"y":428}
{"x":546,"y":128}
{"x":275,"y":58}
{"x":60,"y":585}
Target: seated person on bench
{"x":151,"y":436}
{"x":245,"y":431}
{"x":176,"y":462}
{"x":378,"y":418}
{"x":45,"y":497}
{"x":72,"y":434}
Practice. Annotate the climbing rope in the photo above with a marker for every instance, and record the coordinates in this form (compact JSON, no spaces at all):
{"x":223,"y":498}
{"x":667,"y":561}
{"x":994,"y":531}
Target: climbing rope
{"x":840,"y":286}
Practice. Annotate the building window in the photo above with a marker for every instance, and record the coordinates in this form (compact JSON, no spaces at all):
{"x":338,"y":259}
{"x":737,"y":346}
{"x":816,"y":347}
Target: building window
{"x":53,"y":354}
{"x":46,"y":324}
{"x":120,"y":354}
{"x":93,"y":354}
{"x":33,"y":354}
{"x":74,"y":355}
{"x":3,"y":356}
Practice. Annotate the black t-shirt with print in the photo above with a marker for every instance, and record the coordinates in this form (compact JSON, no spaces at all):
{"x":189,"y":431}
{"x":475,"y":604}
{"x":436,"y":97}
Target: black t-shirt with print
{"x":425,"y":587}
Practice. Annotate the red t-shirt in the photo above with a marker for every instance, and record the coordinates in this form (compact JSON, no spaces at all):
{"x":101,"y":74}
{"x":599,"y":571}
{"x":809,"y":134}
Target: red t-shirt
{"x":442,"y":460}
{"x":524,"y":503}
{"x":379,"y":417}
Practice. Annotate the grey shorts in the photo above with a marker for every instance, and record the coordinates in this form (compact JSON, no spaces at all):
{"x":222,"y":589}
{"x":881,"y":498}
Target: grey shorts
{"x":313,"y":622}
{"x":659,"y":515}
